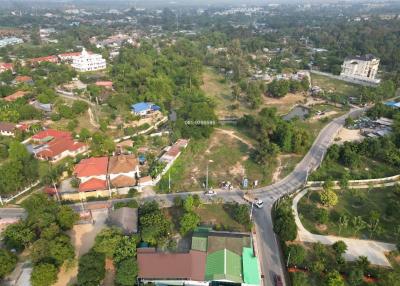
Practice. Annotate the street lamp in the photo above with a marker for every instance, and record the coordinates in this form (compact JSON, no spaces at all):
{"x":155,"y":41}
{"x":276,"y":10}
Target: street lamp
{"x":209,"y":161}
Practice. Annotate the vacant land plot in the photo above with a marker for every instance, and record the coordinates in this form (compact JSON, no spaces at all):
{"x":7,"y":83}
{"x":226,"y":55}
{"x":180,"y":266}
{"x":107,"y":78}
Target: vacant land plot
{"x":214,"y":215}
{"x":228,"y":159}
{"x":378,"y":203}
{"x":219,"y":89}
{"x":335,"y":86}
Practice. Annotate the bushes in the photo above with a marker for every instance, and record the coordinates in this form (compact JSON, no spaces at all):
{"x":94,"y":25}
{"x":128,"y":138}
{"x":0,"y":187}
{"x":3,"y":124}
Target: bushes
{"x":44,"y":274}
{"x":7,"y":262}
{"x":91,"y":269}
{"x":284,"y":224}
{"x":328,"y":198}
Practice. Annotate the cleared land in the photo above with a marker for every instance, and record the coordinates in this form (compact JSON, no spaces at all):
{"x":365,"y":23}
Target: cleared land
{"x":214,"y":215}
{"x":353,"y":203}
{"x":334,"y":86}
{"x":231,"y":161}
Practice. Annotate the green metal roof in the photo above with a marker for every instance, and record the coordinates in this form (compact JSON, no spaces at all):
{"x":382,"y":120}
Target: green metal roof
{"x":251,"y":274}
{"x":199,"y":243}
{"x":224,"y":265}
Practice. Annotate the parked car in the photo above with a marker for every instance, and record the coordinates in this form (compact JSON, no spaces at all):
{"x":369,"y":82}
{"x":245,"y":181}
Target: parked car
{"x":278,"y":280}
{"x":210,"y":193}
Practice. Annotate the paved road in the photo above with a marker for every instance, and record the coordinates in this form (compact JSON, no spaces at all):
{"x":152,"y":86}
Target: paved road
{"x":271,"y":261}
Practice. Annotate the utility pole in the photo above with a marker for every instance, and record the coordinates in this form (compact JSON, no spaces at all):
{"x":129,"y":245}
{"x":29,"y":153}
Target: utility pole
{"x":288,"y":259}
{"x":207,"y":178}
{"x":169,"y":181}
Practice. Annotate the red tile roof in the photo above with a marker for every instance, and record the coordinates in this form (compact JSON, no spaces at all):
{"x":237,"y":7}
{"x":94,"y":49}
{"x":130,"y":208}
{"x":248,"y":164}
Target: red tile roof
{"x":15,"y":96}
{"x":50,"y":59}
{"x":93,"y":184}
{"x":91,"y":167}
{"x":23,"y":78}
{"x":104,"y":83}
{"x":71,"y":54}
{"x":158,"y":265}
{"x":6,"y":66}
{"x":59,"y":145}
{"x":51,"y":133}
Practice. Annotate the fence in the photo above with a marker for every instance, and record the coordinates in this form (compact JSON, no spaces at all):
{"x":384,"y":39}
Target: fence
{"x":393,"y":179}
{"x":7,"y":200}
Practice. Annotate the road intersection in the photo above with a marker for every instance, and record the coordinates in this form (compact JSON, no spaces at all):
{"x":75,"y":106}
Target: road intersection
{"x":271,"y":260}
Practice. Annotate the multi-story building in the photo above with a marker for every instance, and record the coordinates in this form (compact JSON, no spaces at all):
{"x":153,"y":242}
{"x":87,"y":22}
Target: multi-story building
{"x":88,"y":62}
{"x":362,"y":68}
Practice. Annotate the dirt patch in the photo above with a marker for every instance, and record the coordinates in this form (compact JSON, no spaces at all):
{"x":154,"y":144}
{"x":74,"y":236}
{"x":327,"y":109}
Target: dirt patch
{"x":237,"y":170}
{"x":321,"y":227}
{"x":67,"y":275}
{"x":326,"y":114}
{"x":348,"y":135}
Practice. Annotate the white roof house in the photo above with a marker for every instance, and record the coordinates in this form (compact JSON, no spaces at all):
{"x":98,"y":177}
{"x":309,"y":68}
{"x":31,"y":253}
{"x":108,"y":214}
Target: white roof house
{"x":88,"y":62}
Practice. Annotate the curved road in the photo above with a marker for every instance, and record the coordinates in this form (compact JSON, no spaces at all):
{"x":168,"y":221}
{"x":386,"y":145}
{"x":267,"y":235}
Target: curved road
{"x":269,"y":252}
{"x":268,"y":249}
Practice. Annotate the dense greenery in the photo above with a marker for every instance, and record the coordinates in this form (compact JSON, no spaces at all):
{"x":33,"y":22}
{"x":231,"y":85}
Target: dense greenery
{"x":284,"y":223}
{"x":42,"y":233}
{"x":91,"y":269}
{"x":274,"y":134}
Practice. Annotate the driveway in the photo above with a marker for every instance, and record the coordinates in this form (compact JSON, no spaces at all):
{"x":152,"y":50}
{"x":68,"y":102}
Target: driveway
{"x":374,"y":250}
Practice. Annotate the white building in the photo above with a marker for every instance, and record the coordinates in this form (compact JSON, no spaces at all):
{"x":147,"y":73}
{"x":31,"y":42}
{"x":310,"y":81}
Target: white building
{"x":88,"y":62}
{"x":363,"y":68}
{"x":10,"y":41}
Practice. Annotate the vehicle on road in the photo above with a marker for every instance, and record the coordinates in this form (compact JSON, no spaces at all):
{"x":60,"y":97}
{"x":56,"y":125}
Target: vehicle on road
{"x":278,"y":280}
{"x":210,"y":193}
{"x":256,"y":201}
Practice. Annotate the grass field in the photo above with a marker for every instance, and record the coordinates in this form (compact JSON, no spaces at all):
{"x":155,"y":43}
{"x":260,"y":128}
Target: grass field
{"x":231,"y":161}
{"x":216,"y":87}
{"x":330,"y":85}
{"x":367,"y":169}
{"x":353,"y":203}
{"x":214,"y":215}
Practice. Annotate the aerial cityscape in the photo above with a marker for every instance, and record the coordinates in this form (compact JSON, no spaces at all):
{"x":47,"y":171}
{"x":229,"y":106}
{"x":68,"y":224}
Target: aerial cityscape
{"x":199,"y":143}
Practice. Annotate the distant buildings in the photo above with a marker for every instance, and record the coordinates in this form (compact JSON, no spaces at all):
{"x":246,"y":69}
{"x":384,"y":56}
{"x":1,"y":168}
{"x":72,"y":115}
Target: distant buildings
{"x":363,"y":68}
{"x":7,"y":129}
{"x":144,"y":108}
{"x":10,"y":41}
{"x":88,"y":62}
{"x":15,"y":96}
{"x":6,"y":67}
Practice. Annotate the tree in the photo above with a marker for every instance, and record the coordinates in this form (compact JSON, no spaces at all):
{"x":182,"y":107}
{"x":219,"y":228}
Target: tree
{"x":279,"y":88}
{"x":358,"y":224}
{"x":126,"y":248}
{"x":7,"y":262}
{"x":297,"y":254}
{"x":79,"y":107}
{"x":189,"y":222}
{"x":18,"y":236}
{"x":328,"y":198}
{"x":363,"y":263}
{"x":334,"y":279}
{"x":299,"y":279}
{"x":241,"y":213}
{"x":91,"y":269}
{"x":44,"y":274}
{"x":66,"y":217}
{"x":373,"y":225}
{"x":322,"y":215}
{"x":285,"y":226}
{"x":18,"y":151}
{"x":188,"y":203}
{"x":107,"y":241}
{"x":127,"y":271}
{"x":339,"y":247}
{"x":196,"y":200}
{"x":356,"y":276}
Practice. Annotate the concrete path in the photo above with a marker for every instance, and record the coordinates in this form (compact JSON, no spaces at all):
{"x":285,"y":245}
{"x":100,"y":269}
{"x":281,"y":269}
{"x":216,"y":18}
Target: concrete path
{"x":374,"y":250}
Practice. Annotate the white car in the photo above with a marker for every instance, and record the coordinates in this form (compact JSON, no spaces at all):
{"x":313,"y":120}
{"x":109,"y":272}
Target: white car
{"x":259,"y":203}
{"x":210,"y":193}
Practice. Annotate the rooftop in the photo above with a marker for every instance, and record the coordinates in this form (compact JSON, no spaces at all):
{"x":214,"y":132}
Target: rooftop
{"x":93,"y":185}
{"x":122,"y":164}
{"x":95,"y":166}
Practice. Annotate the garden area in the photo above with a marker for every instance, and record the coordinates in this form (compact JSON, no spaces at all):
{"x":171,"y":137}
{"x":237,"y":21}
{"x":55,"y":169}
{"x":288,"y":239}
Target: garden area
{"x":360,"y":213}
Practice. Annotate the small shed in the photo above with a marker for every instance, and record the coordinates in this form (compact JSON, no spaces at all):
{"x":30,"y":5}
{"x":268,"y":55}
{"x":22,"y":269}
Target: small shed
{"x":126,"y":219}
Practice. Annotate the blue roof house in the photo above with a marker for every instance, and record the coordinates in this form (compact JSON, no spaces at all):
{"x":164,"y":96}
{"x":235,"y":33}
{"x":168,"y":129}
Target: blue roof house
{"x":144,"y":108}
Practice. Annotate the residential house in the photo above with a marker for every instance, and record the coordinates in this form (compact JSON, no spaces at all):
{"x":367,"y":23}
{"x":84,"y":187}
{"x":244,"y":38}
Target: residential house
{"x":10,"y":41}
{"x":174,"y":151}
{"x":105,"y":84}
{"x":92,"y":173}
{"x":144,"y":108}
{"x":48,"y":59}
{"x":123,"y":170}
{"x":23,"y":79}
{"x":222,"y":257}
{"x":15,"y":96}
{"x":7,"y":129}
{"x":56,"y":145}
{"x":6,"y":67}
